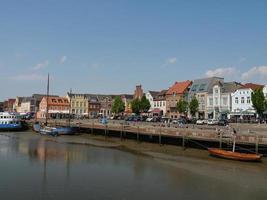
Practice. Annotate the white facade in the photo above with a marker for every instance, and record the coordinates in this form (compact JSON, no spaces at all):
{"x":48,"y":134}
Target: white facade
{"x":25,"y":107}
{"x":218,"y":102}
{"x":151,"y":101}
{"x":265,"y":91}
{"x":241,"y":100}
{"x":160,"y":104}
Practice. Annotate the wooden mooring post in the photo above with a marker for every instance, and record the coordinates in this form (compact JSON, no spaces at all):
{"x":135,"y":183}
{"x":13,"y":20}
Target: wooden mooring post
{"x":183,"y":141}
{"x":122,"y":127}
{"x":220,"y":139}
{"x":106,"y":130}
{"x":92,"y":127}
{"x":160,"y":135}
{"x":257,"y":144}
{"x":137,"y":135}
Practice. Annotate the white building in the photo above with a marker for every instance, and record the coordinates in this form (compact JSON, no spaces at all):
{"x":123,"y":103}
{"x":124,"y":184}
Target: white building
{"x":265,"y":91}
{"x":150,"y":96}
{"x":219,"y":100}
{"x":27,"y":105}
{"x":241,"y":100}
{"x":157,"y":100}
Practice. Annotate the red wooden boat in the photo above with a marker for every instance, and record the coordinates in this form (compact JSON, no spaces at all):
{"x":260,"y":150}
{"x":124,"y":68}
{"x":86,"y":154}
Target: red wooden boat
{"x":234,"y":155}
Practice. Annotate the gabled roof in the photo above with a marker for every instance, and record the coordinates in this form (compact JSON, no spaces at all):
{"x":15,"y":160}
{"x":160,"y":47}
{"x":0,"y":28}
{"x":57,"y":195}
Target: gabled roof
{"x":204,"y":84}
{"x":58,"y":101}
{"x":179,"y":87}
{"x":153,"y":93}
{"x":230,"y":87}
{"x":38,"y":97}
{"x":252,"y":86}
{"x":11,"y":101}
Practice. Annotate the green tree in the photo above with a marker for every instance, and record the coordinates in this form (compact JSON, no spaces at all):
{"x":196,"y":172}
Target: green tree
{"x":193,"y":106}
{"x":144,"y":104}
{"x":182,"y":106}
{"x":258,"y":101}
{"x":135,"y":105}
{"x":118,"y":105}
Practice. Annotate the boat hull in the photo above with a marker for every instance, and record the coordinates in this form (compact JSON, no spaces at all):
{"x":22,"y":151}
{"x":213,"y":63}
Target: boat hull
{"x":13,"y":127}
{"x":234,"y":155}
{"x":53,"y":130}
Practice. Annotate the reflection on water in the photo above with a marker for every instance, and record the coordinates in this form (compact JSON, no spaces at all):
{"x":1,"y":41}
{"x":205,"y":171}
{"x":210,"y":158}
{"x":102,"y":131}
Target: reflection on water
{"x":33,"y":167}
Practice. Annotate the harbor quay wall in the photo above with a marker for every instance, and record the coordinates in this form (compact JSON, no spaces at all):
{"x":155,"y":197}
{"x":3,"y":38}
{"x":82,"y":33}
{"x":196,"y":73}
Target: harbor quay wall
{"x":162,"y":134}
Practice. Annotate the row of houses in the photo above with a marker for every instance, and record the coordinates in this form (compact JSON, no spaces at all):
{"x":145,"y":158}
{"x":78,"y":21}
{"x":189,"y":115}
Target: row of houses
{"x":216,"y":98}
{"x":78,"y":105}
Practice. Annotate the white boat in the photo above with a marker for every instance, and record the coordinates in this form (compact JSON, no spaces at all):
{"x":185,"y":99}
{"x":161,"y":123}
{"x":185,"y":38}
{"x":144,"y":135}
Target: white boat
{"x":11,"y":122}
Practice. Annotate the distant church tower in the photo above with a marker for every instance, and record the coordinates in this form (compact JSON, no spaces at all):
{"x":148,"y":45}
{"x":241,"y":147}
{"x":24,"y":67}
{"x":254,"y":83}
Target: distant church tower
{"x":138,"y":93}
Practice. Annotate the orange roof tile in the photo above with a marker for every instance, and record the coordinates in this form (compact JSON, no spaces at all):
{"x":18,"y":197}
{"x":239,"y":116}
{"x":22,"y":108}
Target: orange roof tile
{"x":252,"y":86}
{"x":58,"y":101}
{"x":179,"y":87}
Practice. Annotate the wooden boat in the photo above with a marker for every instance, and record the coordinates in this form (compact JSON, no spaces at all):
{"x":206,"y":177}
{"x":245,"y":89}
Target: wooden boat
{"x":234,"y":155}
{"x":53,"y":131}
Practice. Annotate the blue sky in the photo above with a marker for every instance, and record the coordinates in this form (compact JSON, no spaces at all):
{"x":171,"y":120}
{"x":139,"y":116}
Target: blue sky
{"x":109,"y":46}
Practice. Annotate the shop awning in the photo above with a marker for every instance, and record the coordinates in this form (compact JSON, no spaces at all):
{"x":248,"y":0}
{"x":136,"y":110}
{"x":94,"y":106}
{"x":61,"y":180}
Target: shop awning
{"x":156,"y":110}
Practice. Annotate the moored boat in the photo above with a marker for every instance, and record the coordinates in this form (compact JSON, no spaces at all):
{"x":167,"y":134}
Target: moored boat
{"x":11,"y":122}
{"x":234,"y":155}
{"x":53,"y":131}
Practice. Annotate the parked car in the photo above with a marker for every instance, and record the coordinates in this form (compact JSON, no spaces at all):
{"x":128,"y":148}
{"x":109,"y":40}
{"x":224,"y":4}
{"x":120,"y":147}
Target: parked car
{"x":201,"y":121}
{"x":174,"y":121}
{"x":165,"y":120}
{"x":213,"y":122}
{"x":182,"y":120}
{"x":156,"y":119}
{"x":223,"y":122}
{"x":149,"y":119}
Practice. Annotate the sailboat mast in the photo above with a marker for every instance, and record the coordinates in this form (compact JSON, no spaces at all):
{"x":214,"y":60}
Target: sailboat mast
{"x":47,"y":95}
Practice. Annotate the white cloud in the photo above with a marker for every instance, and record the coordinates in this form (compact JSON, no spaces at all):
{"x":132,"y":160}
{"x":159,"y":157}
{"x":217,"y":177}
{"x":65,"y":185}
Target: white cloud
{"x":222,"y":72}
{"x":63,"y":59}
{"x":28,"y":77}
{"x":171,"y":61}
{"x":41,"y":65}
{"x":255,"y":72}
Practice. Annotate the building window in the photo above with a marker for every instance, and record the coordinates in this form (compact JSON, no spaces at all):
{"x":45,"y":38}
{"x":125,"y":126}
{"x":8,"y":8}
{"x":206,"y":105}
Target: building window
{"x":236,"y":100}
{"x":248,"y":100}
{"x":216,"y":91}
{"x":211,"y":101}
{"x":202,"y":87}
{"x":194,"y":88}
{"x":224,"y":101}
{"x":242,"y":99}
{"x":216,"y":101}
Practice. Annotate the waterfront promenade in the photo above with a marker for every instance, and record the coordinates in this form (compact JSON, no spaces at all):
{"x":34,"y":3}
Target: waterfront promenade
{"x":253,"y":135}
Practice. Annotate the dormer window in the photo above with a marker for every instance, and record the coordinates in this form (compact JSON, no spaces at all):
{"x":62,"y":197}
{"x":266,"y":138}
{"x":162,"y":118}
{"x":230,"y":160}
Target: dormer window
{"x":174,"y":94}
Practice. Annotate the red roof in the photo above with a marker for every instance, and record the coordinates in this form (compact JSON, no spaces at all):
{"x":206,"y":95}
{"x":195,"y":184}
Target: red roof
{"x":252,"y":86}
{"x":11,"y":101}
{"x":179,"y":87}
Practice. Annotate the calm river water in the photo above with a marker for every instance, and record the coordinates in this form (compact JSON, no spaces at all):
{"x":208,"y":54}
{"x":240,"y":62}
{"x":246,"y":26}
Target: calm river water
{"x":35,"y":167}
